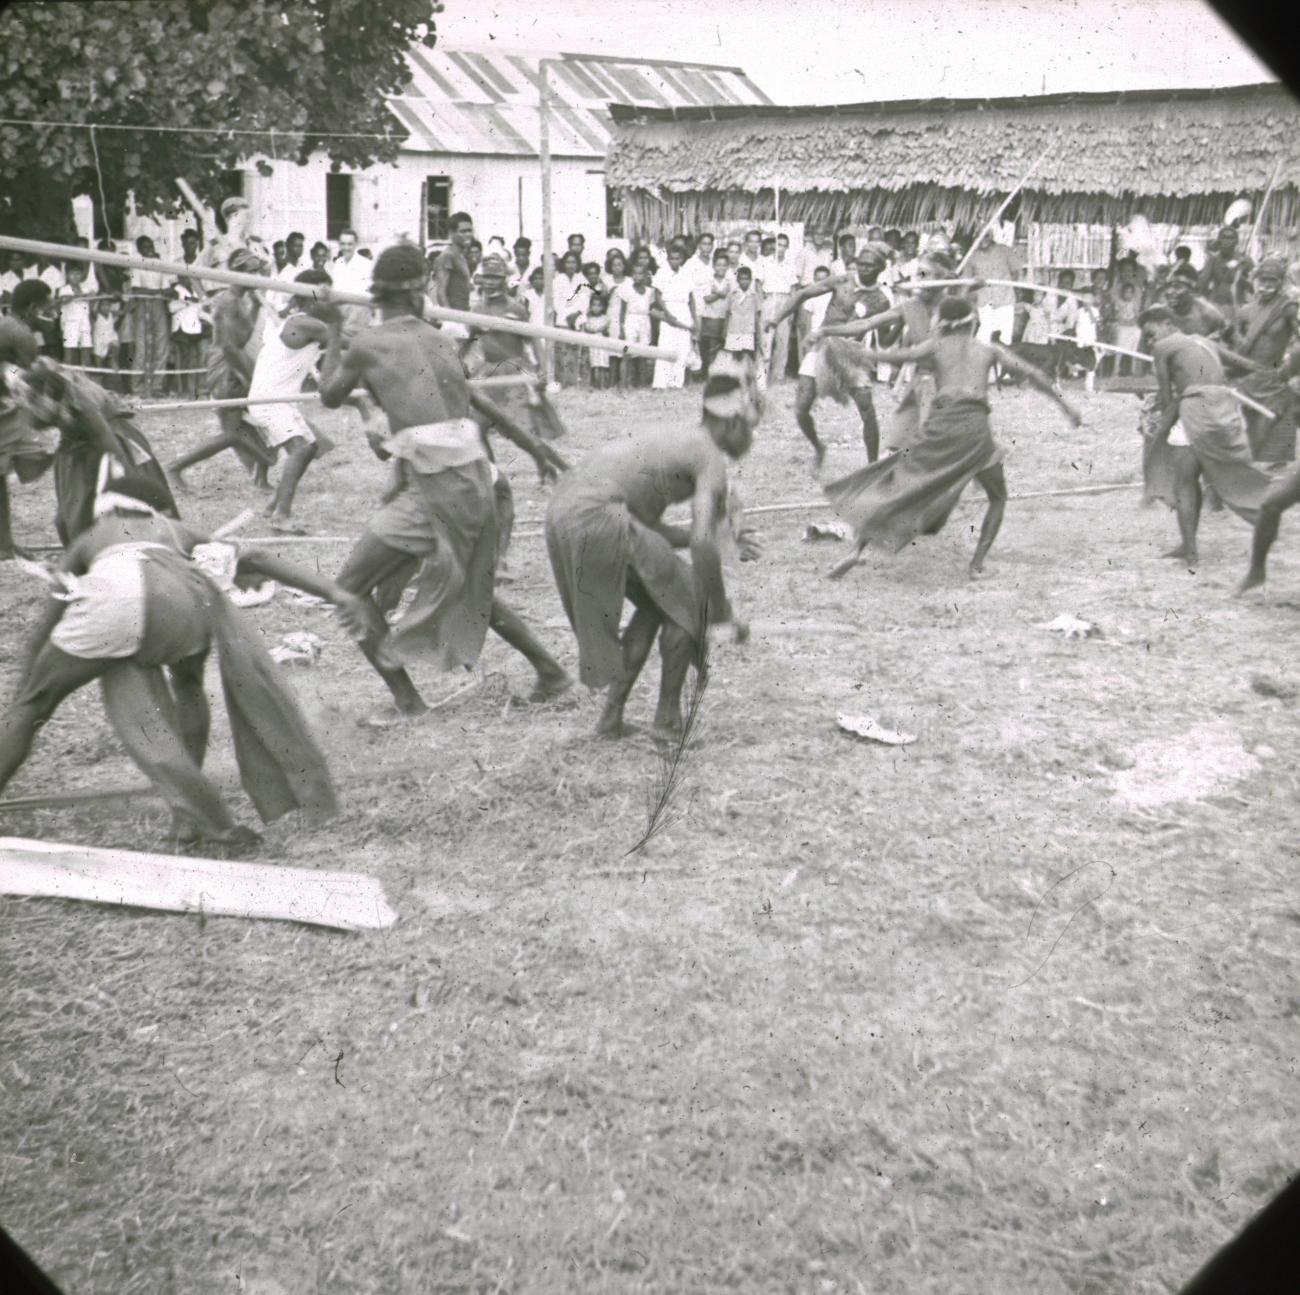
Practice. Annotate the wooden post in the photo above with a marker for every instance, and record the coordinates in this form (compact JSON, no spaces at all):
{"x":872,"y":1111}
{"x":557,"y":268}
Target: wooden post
{"x":548,"y":270}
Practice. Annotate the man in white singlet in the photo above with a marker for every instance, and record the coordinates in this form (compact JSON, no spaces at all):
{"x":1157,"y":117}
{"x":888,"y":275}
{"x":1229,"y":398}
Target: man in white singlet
{"x":288,"y":357}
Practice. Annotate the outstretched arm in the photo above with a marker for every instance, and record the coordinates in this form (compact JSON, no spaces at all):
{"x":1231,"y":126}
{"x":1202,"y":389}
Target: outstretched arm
{"x":549,"y":462}
{"x":1235,"y":361}
{"x":798,"y":298}
{"x":859,"y":327}
{"x":894,"y":354}
{"x":1038,"y":380}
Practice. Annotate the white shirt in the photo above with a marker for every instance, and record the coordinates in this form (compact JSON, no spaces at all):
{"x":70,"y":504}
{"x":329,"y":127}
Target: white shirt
{"x":353,"y":275}
{"x":675,"y":287}
{"x":9,"y":281}
{"x":779,"y":277}
{"x":53,"y":276}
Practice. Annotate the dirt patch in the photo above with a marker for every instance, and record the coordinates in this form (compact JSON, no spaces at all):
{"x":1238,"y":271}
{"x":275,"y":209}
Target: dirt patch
{"x":1204,"y":761}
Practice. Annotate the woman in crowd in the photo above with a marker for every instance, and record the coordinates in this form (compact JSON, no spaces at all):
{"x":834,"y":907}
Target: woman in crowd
{"x":571,"y":292}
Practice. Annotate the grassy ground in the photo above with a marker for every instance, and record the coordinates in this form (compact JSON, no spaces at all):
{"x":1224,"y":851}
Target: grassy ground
{"x":1000,"y":1010}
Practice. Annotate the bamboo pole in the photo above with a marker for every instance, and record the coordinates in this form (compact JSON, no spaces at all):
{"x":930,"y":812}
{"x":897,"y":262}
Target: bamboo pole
{"x":487,"y":323}
{"x":1006,"y":202}
{"x":548,"y":232}
{"x":1238,"y":396}
{"x":238,"y":402}
{"x":1254,"y":247}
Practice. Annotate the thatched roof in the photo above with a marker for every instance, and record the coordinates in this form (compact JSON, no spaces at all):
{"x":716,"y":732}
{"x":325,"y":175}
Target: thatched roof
{"x":895,"y":159}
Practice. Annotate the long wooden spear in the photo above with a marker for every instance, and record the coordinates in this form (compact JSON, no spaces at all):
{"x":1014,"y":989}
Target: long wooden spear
{"x":494,"y":323}
{"x":1006,"y":202}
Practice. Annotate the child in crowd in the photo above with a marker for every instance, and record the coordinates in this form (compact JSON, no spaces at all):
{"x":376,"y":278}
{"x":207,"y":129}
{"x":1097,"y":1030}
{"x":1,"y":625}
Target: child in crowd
{"x":635,"y":297}
{"x":713,"y":302}
{"x":187,"y":336}
{"x":1128,"y":334}
{"x":599,"y":322}
{"x":744,"y":309}
{"x":534,"y":297}
{"x":1087,"y":330}
{"x":74,"y":316}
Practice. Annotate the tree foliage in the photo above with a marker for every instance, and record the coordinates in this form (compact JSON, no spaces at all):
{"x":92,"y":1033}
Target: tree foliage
{"x":310,"y":70}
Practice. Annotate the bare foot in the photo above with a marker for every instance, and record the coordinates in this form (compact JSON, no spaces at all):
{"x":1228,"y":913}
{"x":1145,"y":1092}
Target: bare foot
{"x":9,"y":552}
{"x":176,"y":479}
{"x":394,"y":717}
{"x":615,"y":728}
{"x":670,"y":733}
{"x":1253,"y":580}
{"x":549,"y":688}
{"x":287,"y":526}
{"x":976,"y":570}
{"x":1179,"y":554}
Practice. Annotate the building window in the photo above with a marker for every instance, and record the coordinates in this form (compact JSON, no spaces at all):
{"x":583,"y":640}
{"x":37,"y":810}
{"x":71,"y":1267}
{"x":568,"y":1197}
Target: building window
{"x":338,"y":204}
{"x":232,"y":185}
{"x":437,"y":206}
{"x":613,"y":214}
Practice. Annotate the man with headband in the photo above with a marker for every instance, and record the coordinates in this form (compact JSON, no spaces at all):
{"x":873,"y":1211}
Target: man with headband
{"x":913,"y":492}
{"x":1197,"y":431}
{"x":439,"y":516}
{"x":98,"y":439}
{"x":914,"y":314}
{"x":237,"y":329}
{"x":1263,"y":331}
{"x":608,"y":543}
{"x":855,"y":295}
{"x":128,"y":602}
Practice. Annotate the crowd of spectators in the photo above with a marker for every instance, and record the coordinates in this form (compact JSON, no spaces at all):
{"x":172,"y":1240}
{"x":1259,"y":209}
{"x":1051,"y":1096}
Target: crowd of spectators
{"x":144,"y":333}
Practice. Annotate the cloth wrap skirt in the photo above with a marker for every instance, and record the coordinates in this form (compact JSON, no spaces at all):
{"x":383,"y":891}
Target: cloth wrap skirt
{"x":1215,"y":433}
{"x":443,"y":513}
{"x":146,"y":606}
{"x":594,"y":542}
{"x":912,"y":492}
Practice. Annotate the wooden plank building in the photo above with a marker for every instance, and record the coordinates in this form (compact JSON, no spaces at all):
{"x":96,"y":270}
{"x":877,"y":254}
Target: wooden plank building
{"x":1178,"y":157}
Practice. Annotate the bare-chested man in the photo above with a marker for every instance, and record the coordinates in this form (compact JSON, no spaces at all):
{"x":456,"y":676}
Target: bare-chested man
{"x":129,"y":602}
{"x":1199,"y":431}
{"x":914,"y":315}
{"x":913,"y":492}
{"x":440,"y":513}
{"x":1192,"y":314}
{"x":608,"y":542}
{"x":98,"y":439}
{"x":1263,"y":331}
{"x":237,"y":328}
{"x":854,"y":295}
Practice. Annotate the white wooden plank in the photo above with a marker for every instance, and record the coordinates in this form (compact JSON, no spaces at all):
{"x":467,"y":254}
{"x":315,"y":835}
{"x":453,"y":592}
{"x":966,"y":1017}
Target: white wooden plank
{"x":349,"y":901}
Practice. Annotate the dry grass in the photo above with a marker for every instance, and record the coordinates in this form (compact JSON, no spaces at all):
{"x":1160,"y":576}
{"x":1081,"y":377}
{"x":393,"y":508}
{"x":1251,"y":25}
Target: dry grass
{"x":948,"y":1018}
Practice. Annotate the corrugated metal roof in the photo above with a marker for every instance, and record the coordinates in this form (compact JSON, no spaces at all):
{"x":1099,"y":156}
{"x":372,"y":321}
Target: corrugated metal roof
{"x":486,"y":100}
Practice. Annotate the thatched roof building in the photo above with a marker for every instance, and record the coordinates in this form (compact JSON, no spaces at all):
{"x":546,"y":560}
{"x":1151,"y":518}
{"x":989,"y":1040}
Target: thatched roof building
{"x":1185,"y":153}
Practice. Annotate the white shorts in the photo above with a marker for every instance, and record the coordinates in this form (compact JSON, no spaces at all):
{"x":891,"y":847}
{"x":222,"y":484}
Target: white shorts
{"x":104,"y":335}
{"x":997,"y":319}
{"x":1178,"y":435}
{"x":104,"y":620}
{"x":810,"y":362}
{"x":77,"y":332}
{"x":280,"y":423}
